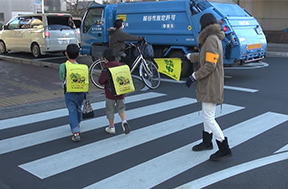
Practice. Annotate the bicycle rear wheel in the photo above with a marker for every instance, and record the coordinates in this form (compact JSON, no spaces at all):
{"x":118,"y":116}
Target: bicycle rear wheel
{"x":95,"y":71}
{"x":149,"y":74}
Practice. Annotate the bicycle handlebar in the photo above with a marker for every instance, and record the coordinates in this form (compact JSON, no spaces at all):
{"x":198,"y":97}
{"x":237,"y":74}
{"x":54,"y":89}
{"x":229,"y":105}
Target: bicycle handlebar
{"x":137,"y":45}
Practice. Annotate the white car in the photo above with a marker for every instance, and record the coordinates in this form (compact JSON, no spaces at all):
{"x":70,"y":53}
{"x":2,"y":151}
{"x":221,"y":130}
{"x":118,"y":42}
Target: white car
{"x":77,"y":22}
{"x":38,"y":33}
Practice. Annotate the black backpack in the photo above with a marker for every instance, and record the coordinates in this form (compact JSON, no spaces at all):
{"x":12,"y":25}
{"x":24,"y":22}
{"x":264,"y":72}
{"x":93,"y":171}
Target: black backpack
{"x":146,"y":49}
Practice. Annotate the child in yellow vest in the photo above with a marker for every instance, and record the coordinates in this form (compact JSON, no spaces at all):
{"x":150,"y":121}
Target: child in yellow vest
{"x":75,"y":84}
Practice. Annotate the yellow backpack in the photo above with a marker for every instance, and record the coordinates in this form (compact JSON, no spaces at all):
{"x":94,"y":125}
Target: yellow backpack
{"x":120,"y":80}
{"x":77,"y":77}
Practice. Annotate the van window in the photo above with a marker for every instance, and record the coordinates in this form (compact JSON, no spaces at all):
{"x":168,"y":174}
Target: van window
{"x":13,"y":24}
{"x":60,"y":22}
{"x":36,"y":23}
{"x":77,"y":23}
{"x":25,"y":23}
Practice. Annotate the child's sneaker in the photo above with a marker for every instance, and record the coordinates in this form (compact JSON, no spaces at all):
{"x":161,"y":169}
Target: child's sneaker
{"x":126,"y":127}
{"x":76,"y":137}
{"x":110,"y":130}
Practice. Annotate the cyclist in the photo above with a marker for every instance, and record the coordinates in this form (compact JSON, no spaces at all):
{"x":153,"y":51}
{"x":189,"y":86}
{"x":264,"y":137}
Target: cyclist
{"x":117,"y":39}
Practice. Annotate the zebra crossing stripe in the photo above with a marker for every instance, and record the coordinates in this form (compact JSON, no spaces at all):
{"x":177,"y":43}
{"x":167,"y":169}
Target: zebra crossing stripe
{"x":27,"y":140}
{"x":283,"y":149}
{"x":240,"y":89}
{"x":67,"y":160}
{"x":176,"y":162}
{"x":232,"y":171}
{"x":18,"y":121}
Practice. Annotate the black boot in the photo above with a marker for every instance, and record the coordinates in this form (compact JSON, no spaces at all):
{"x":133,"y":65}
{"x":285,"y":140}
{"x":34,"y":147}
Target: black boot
{"x":206,"y":143}
{"x":223,"y":152}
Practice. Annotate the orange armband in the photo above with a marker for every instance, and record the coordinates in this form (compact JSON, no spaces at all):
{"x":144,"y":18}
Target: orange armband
{"x":211,"y":57}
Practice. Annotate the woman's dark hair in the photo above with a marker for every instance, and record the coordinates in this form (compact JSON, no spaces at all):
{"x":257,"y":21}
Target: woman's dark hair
{"x":206,"y":20}
{"x":109,"y":54}
{"x":118,"y":23}
{"x":72,"y":51}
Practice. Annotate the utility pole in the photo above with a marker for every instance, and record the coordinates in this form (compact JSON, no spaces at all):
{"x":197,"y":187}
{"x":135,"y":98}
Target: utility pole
{"x":42,"y":6}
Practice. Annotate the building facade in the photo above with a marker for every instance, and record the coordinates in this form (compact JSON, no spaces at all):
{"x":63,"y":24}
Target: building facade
{"x":11,"y":8}
{"x":271,"y":14}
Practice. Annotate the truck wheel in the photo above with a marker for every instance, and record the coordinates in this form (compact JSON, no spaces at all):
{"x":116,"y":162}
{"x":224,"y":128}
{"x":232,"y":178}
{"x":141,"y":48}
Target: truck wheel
{"x":36,"y":50}
{"x":2,"y":48}
{"x":186,"y":65}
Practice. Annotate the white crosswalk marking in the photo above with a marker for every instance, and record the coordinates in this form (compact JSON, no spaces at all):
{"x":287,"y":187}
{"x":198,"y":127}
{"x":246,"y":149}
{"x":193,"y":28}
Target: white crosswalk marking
{"x":283,"y":149}
{"x":23,"y":141}
{"x":182,"y":159}
{"x":241,"y":89}
{"x":18,"y":121}
{"x":232,"y":171}
{"x":55,"y":164}
{"x":140,"y":174}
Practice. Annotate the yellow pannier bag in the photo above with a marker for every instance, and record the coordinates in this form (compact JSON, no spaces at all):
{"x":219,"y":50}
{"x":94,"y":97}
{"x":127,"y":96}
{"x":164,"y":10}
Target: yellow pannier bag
{"x":120,"y":80}
{"x":77,"y":77}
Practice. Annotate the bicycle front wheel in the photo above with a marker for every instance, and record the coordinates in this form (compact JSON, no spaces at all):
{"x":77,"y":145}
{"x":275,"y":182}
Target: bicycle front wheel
{"x":95,"y":71}
{"x":149,"y":74}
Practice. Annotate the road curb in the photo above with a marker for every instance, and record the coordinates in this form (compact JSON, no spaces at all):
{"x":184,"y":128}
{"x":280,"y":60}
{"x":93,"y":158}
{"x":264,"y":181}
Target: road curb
{"x":276,"y":54}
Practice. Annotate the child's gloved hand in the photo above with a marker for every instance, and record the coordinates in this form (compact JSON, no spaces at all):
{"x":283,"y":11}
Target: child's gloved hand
{"x":188,"y":56}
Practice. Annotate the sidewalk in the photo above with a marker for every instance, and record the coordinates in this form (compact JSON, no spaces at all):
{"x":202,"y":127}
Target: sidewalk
{"x":277,"y":50}
{"x":32,"y":88}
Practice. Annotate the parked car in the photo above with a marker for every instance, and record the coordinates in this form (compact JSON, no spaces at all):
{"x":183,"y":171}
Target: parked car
{"x":77,"y":22}
{"x":38,"y":33}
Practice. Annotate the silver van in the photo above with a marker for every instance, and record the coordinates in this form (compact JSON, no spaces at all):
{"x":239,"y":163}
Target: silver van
{"x":77,"y":22}
{"x":38,"y":33}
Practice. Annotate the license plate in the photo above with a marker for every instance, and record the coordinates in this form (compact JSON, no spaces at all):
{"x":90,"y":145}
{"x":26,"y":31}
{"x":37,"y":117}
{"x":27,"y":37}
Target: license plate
{"x":254,"y":46}
{"x":63,"y":42}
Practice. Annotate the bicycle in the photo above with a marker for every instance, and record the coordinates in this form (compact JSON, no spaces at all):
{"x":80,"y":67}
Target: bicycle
{"x":148,"y":70}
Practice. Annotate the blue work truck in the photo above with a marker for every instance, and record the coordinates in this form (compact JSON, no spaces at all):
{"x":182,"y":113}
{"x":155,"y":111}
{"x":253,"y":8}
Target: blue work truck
{"x":172,"y":28}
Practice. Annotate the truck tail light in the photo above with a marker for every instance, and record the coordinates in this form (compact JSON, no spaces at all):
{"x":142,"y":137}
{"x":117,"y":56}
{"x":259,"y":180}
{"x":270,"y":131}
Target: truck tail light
{"x":225,"y":28}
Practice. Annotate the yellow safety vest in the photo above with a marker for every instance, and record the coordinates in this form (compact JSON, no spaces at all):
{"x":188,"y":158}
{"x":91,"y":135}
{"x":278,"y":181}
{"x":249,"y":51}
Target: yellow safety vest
{"x":77,"y":77}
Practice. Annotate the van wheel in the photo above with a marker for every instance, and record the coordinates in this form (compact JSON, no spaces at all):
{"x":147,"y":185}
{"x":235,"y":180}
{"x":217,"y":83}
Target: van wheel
{"x":36,"y":50}
{"x":2,"y":48}
{"x":186,"y":65}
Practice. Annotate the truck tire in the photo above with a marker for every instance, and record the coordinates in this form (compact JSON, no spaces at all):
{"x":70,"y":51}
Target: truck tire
{"x":186,"y":65}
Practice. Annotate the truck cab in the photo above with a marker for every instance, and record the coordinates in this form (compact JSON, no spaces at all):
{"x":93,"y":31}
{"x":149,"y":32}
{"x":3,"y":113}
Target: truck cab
{"x":96,"y":21}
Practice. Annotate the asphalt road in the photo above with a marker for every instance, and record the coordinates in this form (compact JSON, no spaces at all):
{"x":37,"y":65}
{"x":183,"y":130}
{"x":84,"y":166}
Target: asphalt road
{"x":166,"y":122}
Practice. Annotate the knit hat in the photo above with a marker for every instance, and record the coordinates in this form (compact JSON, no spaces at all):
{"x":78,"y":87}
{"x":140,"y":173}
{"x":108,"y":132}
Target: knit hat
{"x":206,"y":20}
